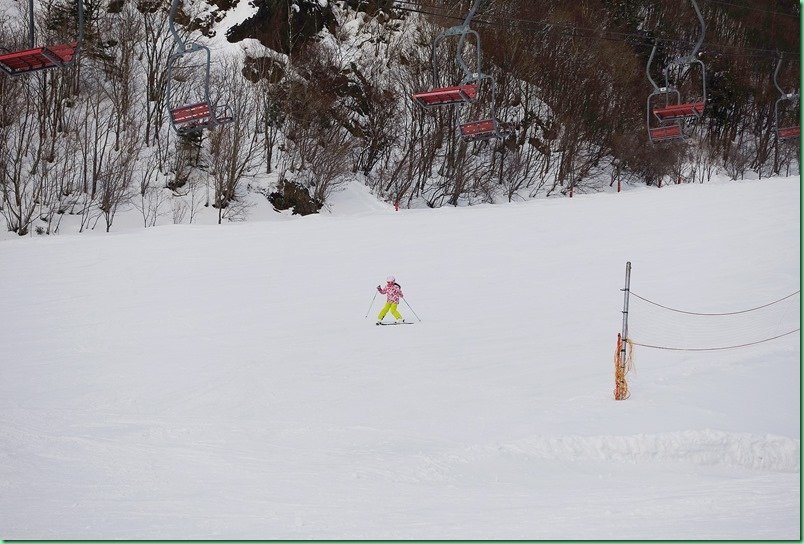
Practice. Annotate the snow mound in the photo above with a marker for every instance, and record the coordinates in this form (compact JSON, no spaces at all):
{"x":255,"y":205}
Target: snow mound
{"x":355,"y":199}
{"x":706,"y":447}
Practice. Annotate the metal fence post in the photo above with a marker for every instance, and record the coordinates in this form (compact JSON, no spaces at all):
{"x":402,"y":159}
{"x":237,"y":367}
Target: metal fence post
{"x":626,"y":293}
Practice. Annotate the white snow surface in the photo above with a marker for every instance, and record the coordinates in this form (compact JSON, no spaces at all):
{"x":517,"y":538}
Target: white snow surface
{"x":222,"y":382}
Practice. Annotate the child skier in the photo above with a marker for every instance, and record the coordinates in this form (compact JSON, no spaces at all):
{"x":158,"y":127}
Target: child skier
{"x":393,"y":292}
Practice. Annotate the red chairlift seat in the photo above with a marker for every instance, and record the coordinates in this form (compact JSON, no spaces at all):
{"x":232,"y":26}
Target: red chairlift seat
{"x":789,"y":132}
{"x":39,"y":58}
{"x":679,"y":111}
{"x":447,"y":95}
{"x":192,"y":115}
{"x":198,"y":116}
{"x":672,"y":132}
{"x":479,"y":130}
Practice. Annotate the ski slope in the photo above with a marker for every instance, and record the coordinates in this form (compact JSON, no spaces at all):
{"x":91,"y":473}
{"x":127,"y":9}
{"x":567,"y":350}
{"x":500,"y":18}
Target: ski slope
{"x":222,"y":382}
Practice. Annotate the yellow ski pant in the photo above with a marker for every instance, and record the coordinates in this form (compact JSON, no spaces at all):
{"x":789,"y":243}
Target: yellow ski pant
{"x":394,"y":312}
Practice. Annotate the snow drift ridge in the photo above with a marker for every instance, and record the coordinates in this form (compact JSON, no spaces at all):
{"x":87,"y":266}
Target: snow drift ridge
{"x":705,"y":447}
{"x":702,"y":447}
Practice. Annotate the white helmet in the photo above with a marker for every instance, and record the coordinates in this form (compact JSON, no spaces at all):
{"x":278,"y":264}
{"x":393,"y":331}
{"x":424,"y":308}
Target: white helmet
{"x":390,"y":279}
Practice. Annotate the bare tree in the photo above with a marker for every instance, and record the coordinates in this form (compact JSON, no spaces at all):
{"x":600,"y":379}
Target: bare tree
{"x":119,"y":68}
{"x":317,"y":147}
{"x":150,"y":197}
{"x":116,"y":178}
{"x":23,"y":177}
{"x":271,"y":120}
{"x":234,"y":148}
{"x":156,"y":47}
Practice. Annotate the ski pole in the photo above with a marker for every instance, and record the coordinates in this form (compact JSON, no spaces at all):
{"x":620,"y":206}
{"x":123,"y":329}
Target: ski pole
{"x":412,"y":310}
{"x":372,"y":302}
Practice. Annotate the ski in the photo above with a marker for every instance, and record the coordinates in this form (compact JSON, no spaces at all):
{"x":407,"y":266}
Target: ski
{"x":402,"y":323}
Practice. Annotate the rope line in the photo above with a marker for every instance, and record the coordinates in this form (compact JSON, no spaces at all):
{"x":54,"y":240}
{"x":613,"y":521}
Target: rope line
{"x":715,"y":314}
{"x":716,"y":349}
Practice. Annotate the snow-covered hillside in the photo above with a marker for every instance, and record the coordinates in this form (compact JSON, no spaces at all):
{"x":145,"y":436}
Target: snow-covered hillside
{"x":222,"y":382}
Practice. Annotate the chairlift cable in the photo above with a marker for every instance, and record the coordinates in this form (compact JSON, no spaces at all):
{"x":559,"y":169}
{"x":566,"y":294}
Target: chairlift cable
{"x":641,"y":39}
{"x":549,"y":26}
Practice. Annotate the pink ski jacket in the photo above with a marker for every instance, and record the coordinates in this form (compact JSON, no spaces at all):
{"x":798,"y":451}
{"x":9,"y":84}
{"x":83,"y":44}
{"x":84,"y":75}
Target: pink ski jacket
{"x":393,"y":291}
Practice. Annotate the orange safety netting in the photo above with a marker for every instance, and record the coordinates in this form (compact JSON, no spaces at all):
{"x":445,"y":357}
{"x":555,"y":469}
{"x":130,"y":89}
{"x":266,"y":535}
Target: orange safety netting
{"x":622,"y":367}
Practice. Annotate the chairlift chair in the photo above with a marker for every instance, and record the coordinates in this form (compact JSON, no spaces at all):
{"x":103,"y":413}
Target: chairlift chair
{"x":468,"y":91}
{"x":198,"y":113}
{"x":668,"y":116}
{"x":789,"y":132}
{"x":447,"y":96}
{"x":661,"y":129}
{"x":488,"y":128}
{"x":479,"y":130}
{"x":34,"y":58}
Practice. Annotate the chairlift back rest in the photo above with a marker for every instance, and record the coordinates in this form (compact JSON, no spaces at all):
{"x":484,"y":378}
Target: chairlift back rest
{"x":789,"y":132}
{"x":679,"y":111}
{"x":477,"y":130}
{"x":660,"y":134}
{"x":447,"y":95}
{"x":192,"y":113}
{"x":39,"y":58}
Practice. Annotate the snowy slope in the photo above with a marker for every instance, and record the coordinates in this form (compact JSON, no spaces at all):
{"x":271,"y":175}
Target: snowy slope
{"x":213,"y":381}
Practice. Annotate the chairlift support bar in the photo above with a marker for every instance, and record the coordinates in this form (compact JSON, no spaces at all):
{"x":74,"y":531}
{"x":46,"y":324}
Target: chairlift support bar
{"x":665,"y":131}
{"x":647,"y":67}
{"x":674,"y":115}
{"x":694,"y":54}
{"x":462,"y":30}
{"x":776,"y":75}
{"x":466,"y":91}
{"x":488,"y":128}
{"x":174,"y":8}
{"x":690,"y":59}
{"x":31,"y":29}
{"x":197,"y":116}
{"x":783,"y":133}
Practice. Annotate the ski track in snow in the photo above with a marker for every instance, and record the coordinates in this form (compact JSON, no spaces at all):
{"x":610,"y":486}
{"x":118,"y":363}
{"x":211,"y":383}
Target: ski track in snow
{"x":221,"y":381}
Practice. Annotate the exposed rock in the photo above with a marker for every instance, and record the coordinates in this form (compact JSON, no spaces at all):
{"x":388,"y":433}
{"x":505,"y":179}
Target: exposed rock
{"x":292,"y":195}
{"x":272,"y":25}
